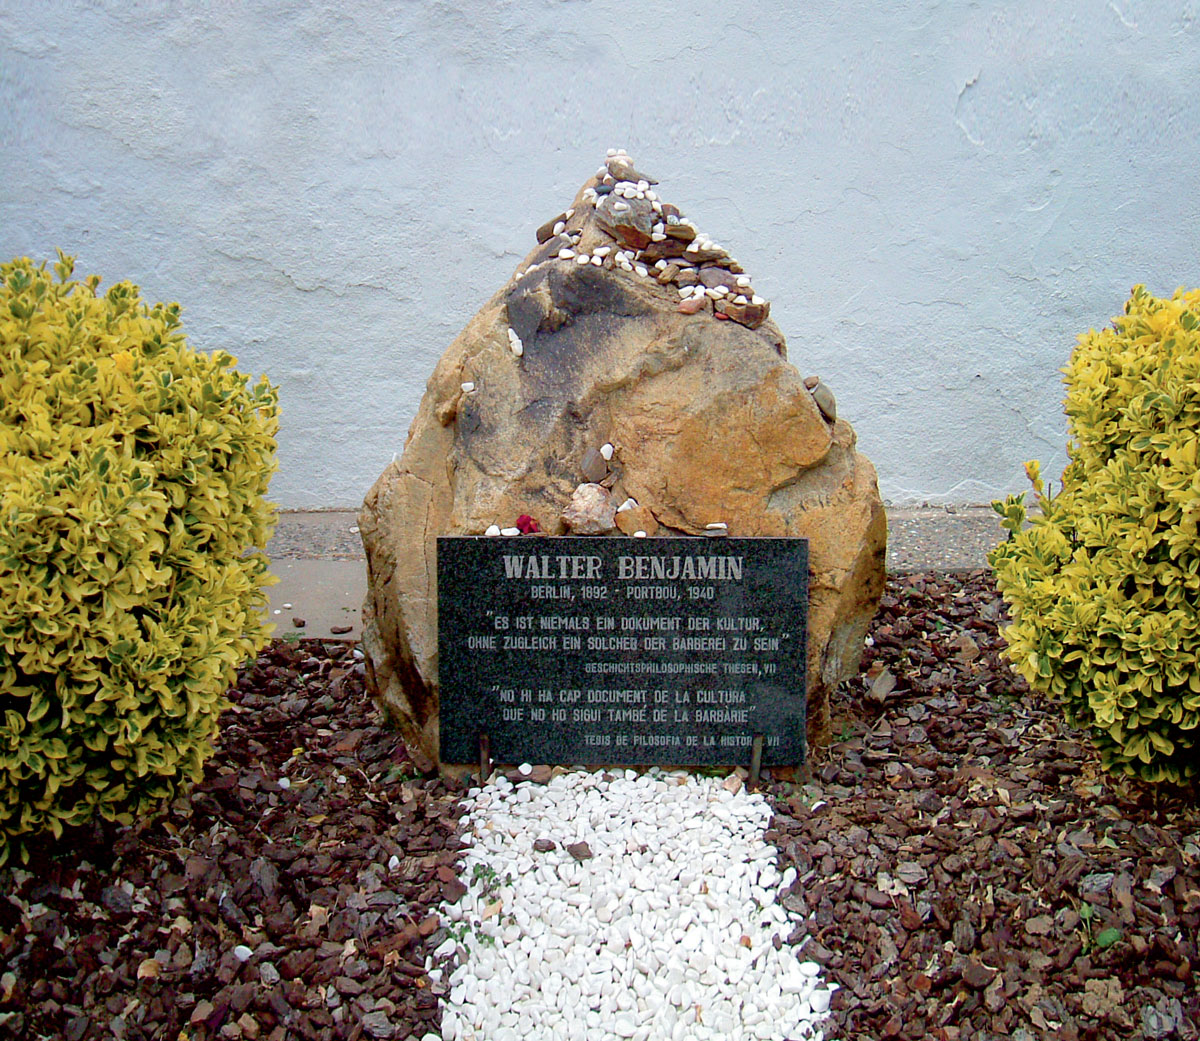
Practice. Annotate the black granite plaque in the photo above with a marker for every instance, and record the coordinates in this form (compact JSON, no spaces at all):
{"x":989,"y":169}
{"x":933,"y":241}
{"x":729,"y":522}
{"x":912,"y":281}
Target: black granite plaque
{"x":622,"y":651}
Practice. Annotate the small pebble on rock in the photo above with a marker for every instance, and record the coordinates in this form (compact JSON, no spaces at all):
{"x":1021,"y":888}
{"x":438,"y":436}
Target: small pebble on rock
{"x":594,"y":466}
{"x":824,"y":399}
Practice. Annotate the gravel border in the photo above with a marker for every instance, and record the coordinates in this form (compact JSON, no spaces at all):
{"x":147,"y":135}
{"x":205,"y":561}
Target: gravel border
{"x":964,"y":868}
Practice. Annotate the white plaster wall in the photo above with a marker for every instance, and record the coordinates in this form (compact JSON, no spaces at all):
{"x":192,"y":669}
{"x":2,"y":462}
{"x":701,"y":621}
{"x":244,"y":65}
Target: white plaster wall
{"x":936,"y":197}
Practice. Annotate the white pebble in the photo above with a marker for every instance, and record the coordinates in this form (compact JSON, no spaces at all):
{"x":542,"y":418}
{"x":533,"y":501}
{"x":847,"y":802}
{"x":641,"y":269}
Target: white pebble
{"x":284,"y":782}
{"x":639,"y":534}
{"x":468,"y":387}
{"x":492,"y":531}
{"x":601,"y":251}
{"x":393,"y":862}
{"x":657,"y":236}
{"x":718,"y":526}
{"x":620,"y":207}
{"x":641,"y":270}
{"x":583,"y":258}
{"x":570,"y":213}
{"x":606,"y":450}
{"x":739,"y":299}
{"x":628,"y":504}
{"x":510,"y":532}
{"x":597,"y":261}
{"x":565,"y":253}
{"x":743,"y":280}
{"x":242,"y":952}
{"x":624,"y":944}
{"x":525,"y":769}
{"x":757,"y":300}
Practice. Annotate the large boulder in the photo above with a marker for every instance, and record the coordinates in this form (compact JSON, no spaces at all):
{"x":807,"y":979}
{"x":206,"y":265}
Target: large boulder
{"x":649,"y":371}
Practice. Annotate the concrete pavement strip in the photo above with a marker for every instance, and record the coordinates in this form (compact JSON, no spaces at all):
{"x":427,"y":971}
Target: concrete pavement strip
{"x":318,"y":559}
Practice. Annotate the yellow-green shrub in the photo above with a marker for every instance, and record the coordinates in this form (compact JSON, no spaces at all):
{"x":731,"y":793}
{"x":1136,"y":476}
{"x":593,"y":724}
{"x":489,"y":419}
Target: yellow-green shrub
{"x":132,"y":475}
{"x":1104,"y":586}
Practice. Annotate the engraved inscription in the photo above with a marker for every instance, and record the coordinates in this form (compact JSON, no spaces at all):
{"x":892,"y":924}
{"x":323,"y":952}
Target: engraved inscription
{"x":595,"y":654}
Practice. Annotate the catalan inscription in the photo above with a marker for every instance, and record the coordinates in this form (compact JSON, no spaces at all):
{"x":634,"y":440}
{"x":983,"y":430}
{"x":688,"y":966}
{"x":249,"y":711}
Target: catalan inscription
{"x":622,"y":651}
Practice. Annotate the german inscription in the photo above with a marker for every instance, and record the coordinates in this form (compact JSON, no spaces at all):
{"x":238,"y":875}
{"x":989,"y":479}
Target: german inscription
{"x":622,"y":651}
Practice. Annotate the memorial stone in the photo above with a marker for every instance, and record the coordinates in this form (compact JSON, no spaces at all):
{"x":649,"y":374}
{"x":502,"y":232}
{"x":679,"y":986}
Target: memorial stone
{"x":629,"y":352}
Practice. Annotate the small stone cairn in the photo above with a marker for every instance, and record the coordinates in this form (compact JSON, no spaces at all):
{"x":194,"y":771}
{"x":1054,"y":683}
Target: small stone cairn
{"x":647,"y":237}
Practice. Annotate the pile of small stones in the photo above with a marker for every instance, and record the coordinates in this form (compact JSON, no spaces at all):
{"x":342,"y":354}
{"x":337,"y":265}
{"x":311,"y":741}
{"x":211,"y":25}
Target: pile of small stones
{"x":621,"y":224}
{"x":636,"y":232}
{"x":618,"y":905}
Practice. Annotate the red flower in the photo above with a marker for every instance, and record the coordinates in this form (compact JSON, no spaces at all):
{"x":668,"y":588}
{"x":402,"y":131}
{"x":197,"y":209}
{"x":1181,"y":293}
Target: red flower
{"x":527,"y":524}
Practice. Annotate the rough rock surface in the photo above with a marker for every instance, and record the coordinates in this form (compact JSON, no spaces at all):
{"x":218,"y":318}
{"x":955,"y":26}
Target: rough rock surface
{"x":708,"y":423}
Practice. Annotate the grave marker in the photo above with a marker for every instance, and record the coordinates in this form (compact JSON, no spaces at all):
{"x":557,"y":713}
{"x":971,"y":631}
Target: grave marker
{"x":622,"y":651}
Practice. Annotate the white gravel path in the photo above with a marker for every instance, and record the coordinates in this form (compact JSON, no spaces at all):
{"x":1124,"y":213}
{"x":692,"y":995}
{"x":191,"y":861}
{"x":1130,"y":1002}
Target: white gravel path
{"x":666,"y":932}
